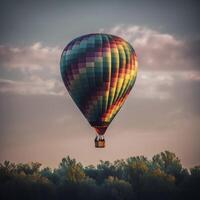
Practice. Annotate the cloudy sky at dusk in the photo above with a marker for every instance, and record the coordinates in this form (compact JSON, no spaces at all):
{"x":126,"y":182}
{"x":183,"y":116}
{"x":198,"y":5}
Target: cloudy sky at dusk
{"x":38,"y":119}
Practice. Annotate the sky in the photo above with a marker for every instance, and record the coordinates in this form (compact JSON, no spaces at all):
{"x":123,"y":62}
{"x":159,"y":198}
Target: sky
{"x":38,"y":119}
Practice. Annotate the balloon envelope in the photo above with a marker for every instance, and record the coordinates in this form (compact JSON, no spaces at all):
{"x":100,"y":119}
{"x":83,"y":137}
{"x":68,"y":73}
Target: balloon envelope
{"x":99,"y":71}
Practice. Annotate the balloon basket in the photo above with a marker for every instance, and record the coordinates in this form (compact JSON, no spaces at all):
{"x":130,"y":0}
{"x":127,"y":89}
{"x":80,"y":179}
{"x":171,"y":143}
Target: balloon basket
{"x":99,"y":143}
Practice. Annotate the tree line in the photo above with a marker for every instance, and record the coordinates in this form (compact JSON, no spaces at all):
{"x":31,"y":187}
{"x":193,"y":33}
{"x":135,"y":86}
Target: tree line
{"x":137,"y":178}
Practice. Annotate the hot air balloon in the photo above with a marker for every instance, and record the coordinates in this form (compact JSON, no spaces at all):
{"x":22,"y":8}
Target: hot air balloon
{"x":99,"y":71}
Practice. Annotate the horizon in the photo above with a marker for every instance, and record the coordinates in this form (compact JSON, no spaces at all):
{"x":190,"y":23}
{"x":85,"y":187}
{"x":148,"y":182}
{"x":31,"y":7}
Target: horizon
{"x":150,"y":159}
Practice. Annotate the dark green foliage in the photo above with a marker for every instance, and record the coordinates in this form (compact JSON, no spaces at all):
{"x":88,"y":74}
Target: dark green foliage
{"x":190,"y":187}
{"x":136,"y":178}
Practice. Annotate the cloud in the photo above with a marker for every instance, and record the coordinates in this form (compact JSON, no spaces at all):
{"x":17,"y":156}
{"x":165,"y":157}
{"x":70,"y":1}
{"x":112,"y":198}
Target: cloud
{"x":160,"y":84}
{"x":159,"y":51}
{"x":154,"y":85}
{"x":38,"y":67}
{"x":35,"y":86}
{"x":163,"y":62}
{"x":30,"y":58}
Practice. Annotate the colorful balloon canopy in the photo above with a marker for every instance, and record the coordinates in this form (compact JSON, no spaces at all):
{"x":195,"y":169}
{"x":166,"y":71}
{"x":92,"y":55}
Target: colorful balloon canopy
{"x":99,"y":71}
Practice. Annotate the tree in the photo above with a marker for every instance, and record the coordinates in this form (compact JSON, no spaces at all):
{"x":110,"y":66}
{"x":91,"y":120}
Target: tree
{"x":137,"y":167}
{"x":70,"y":170}
{"x":170,"y":164}
{"x":136,"y":178}
{"x":29,"y":169}
{"x":7,"y":170}
{"x":116,"y":189}
{"x":120,"y":169}
{"x":189,"y":187}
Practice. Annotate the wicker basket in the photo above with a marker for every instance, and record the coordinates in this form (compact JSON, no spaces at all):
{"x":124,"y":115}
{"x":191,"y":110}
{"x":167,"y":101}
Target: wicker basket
{"x":100,"y":144}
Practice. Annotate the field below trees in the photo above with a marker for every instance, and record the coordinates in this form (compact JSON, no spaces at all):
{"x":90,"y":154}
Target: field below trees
{"x":137,"y":178}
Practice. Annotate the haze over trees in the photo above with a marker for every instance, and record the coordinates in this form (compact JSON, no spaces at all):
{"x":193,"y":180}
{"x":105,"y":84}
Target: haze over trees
{"x":136,"y":178}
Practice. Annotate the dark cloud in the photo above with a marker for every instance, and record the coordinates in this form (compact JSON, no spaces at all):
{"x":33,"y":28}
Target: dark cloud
{"x":54,"y":22}
{"x":191,"y":52}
